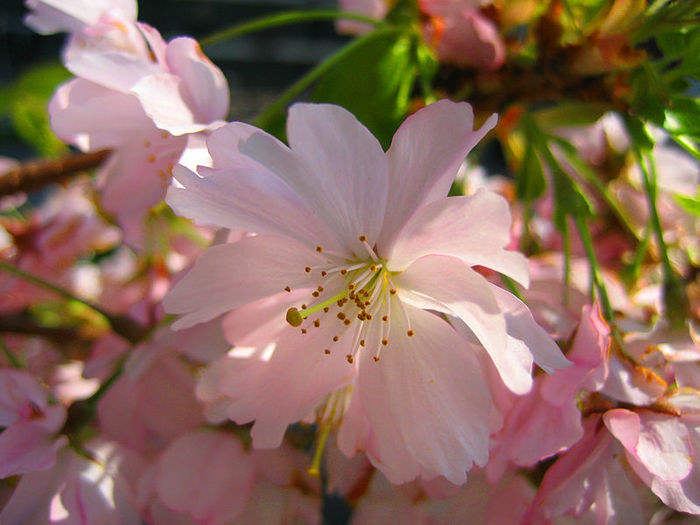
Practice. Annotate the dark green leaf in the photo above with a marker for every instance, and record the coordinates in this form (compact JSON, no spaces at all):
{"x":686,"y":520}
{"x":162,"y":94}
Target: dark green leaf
{"x":530,"y":183}
{"x":374,"y":82}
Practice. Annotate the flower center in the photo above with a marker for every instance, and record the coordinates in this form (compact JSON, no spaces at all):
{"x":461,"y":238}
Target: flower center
{"x":352,"y":294}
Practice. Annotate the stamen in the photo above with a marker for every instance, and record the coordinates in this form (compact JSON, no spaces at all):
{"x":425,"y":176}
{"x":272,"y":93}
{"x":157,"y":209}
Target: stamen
{"x":349,"y":358}
{"x":314,"y":469}
{"x":370,"y":251}
{"x":298,"y":316}
{"x":287,"y":289}
{"x":327,"y":351}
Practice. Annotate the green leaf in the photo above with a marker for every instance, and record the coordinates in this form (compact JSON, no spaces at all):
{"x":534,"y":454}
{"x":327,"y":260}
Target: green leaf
{"x":569,"y":114}
{"x":31,"y":122}
{"x":530,"y":183}
{"x":638,"y":133}
{"x":649,"y":97}
{"x":25,"y":102}
{"x":689,"y":204}
{"x":374,"y":82}
{"x":683,"y":116}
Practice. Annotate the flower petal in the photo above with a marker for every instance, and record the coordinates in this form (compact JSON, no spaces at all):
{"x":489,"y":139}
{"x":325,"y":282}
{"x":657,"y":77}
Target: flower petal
{"x":659,"y":442}
{"x":344,"y":173}
{"x":522,"y":327}
{"x":424,"y":157}
{"x":204,"y":85}
{"x":282,"y":383}
{"x":447,"y":285}
{"x":230,"y":275}
{"x":206,"y":474}
{"x":432,"y":387}
{"x":93,"y":117}
{"x":475,"y":229}
{"x":247,"y":199}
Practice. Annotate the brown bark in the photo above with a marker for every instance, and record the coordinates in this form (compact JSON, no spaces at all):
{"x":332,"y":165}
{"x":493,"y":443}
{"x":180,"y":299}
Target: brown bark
{"x":32,"y":176}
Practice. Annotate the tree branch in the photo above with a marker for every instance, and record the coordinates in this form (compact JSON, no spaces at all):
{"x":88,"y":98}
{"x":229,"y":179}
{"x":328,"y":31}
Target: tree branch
{"x":31,"y":176}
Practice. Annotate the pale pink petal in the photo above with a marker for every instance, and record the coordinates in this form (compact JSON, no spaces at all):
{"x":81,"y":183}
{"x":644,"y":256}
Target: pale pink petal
{"x":284,"y":387}
{"x":145,"y":413}
{"x":204,"y":85}
{"x":424,"y":157}
{"x":113,"y":70}
{"x":466,"y":38}
{"x":344,"y":174}
{"x":372,"y":8}
{"x":21,"y":396}
{"x":535,"y":430}
{"x":226,"y":143}
{"x":230,"y":275}
{"x":683,"y":495}
{"x":254,"y":324}
{"x":93,"y":117}
{"x":27,"y":447}
{"x":433,"y":387}
{"x":475,"y":229}
{"x":629,"y":384}
{"x":659,"y":442}
{"x":137,"y":175}
{"x":447,"y":285}
{"x":206,"y":474}
{"x":446,"y":7}
{"x":383,"y":446}
{"x":573,"y":482}
{"x":31,"y":500}
{"x":95,"y":491}
{"x":521,"y":327}
{"x":247,"y":199}
{"x":52,"y":16}
{"x":160,"y":94}
{"x":589,"y":354}
{"x":156,"y":44}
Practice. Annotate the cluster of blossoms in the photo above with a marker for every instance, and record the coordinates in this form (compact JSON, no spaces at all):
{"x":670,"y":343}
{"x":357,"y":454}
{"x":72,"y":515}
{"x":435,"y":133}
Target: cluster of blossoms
{"x":248,"y":328}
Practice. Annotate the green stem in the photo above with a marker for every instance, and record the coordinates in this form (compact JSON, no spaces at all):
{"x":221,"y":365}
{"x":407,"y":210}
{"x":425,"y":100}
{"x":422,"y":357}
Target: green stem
{"x":585,"y":236}
{"x":675,"y":300}
{"x":566,"y":235}
{"x":11,"y":357}
{"x":282,"y":19}
{"x":123,"y":326}
{"x":267,"y":116}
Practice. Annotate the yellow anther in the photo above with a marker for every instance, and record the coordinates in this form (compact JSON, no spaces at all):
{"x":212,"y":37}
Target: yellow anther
{"x":294,"y":318}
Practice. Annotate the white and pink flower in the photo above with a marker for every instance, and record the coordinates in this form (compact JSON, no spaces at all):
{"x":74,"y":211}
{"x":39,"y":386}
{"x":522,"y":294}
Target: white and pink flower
{"x":337,"y":303}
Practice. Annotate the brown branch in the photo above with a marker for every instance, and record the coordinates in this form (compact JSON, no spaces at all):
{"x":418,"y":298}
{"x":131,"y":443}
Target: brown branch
{"x":21,"y":323}
{"x":31,"y":176}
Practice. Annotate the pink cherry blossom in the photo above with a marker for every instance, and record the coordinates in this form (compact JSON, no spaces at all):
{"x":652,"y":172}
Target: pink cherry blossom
{"x":662,"y":448}
{"x":30,"y":423}
{"x":78,"y":490}
{"x":461,"y":35}
{"x":548,"y":420}
{"x":93,"y":24}
{"x":589,"y":483}
{"x":372,"y":8}
{"x":370,"y":243}
{"x":144,"y":102}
